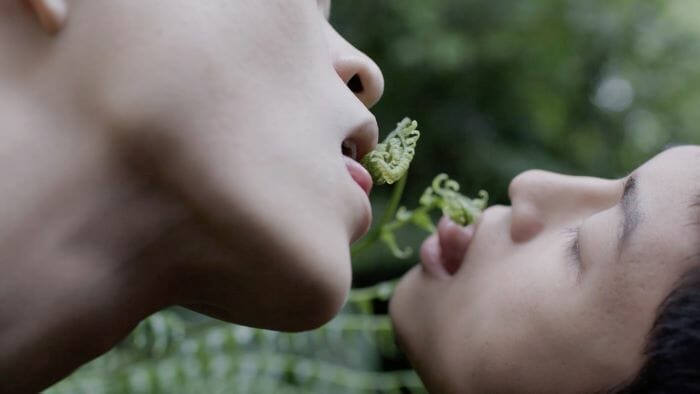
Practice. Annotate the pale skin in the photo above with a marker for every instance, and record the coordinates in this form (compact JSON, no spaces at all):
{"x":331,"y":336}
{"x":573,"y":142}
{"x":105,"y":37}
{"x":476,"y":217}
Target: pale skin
{"x":525,"y":311}
{"x":166,"y":153}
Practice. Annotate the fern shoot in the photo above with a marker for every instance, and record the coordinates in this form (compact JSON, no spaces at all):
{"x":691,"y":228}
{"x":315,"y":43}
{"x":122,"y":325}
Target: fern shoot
{"x":390,"y":160}
{"x":388,"y":164}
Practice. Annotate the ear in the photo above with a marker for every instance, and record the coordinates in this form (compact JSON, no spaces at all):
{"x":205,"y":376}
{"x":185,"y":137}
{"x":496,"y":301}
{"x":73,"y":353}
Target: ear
{"x":52,"y":14}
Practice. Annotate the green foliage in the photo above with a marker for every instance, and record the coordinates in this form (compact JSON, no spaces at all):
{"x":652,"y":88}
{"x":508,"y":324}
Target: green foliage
{"x":581,"y":87}
{"x":389,"y":163}
{"x":443,"y":195}
{"x":584,"y":87}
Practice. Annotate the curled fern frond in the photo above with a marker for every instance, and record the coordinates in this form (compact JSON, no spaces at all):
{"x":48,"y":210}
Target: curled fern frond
{"x":444,"y":194}
{"x":390,"y":160}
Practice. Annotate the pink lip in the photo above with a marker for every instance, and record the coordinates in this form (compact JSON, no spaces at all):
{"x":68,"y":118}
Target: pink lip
{"x":442,"y":254}
{"x":359,"y":174}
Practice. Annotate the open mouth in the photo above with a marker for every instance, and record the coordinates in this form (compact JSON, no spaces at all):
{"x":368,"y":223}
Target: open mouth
{"x":358,"y":173}
{"x":442,"y":254}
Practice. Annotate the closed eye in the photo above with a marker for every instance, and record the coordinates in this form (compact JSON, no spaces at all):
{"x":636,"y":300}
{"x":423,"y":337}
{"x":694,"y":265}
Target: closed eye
{"x":573,"y":246}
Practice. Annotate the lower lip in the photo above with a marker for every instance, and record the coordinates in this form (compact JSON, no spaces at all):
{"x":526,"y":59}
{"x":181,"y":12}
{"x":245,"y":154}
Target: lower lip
{"x":359,"y":174}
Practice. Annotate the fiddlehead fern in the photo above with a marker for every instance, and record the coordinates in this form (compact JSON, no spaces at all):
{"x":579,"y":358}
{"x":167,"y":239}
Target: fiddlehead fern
{"x":388,"y":163}
{"x":390,"y":160}
{"x":444,"y":194}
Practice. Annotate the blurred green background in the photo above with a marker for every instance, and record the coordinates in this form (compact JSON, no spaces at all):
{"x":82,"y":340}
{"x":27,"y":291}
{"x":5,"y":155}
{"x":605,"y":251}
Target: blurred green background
{"x":500,"y":86}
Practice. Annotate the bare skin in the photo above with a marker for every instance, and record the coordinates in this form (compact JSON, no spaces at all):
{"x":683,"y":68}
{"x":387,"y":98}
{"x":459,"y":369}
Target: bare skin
{"x":558,"y":292}
{"x":140,"y":157}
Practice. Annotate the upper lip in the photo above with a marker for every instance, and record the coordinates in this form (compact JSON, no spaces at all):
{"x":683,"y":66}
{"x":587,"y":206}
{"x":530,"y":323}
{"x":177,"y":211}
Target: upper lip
{"x":479,"y":222}
{"x":364,"y":136}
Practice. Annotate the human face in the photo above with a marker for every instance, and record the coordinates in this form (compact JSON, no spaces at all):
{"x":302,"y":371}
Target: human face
{"x":241,"y":107}
{"x":558,"y":292}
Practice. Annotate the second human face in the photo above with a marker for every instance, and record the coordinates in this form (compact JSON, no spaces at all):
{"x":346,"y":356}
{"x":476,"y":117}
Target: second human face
{"x":558,"y":292}
{"x":242,"y":107}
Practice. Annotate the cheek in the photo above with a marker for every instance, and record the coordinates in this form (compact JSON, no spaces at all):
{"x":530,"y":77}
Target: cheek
{"x":425,"y":332}
{"x":622,"y":301}
{"x":204,"y":51}
{"x":516,"y":295}
{"x":409,"y":307}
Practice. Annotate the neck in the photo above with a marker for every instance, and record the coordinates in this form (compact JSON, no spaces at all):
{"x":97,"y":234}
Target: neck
{"x":73,"y":230}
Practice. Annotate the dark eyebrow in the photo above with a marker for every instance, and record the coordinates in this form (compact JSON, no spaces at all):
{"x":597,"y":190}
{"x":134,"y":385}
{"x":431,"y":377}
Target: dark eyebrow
{"x":631,"y":215}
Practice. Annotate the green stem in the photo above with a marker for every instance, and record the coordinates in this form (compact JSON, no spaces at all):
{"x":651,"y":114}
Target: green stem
{"x":389,"y":213}
{"x":394,"y":201}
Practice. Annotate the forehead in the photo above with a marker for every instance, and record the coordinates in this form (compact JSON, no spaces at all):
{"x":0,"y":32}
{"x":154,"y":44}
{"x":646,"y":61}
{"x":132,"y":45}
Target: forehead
{"x":672,"y":178}
{"x":676,"y":155}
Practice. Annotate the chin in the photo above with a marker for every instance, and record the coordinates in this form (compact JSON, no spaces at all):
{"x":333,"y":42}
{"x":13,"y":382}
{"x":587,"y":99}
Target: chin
{"x":299,"y":294}
{"x":310,"y":288}
{"x":316,"y":308}
{"x":311,"y":299}
{"x":405,"y":326}
{"x":325,"y":297}
{"x":297,"y":309}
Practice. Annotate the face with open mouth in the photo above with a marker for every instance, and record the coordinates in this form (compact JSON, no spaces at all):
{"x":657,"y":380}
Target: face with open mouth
{"x":558,"y":292}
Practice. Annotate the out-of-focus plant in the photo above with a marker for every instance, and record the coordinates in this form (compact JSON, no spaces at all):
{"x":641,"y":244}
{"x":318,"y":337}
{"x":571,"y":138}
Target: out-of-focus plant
{"x":581,"y":87}
{"x":176,"y":351}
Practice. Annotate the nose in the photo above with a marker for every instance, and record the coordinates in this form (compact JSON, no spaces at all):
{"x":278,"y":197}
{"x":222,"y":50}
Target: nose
{"x":361,"y":75}
{"x":542,"y":199}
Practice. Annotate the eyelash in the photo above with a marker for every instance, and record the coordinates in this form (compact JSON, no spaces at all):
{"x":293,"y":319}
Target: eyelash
{"x":573,"y":247}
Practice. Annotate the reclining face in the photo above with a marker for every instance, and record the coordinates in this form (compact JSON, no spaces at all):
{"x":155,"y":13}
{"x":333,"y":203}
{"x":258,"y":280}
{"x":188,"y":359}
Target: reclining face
{"x":558,"y":292}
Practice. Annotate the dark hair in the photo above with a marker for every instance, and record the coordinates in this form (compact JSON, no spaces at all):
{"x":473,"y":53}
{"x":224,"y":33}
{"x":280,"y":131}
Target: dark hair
{"x":673,"y":350}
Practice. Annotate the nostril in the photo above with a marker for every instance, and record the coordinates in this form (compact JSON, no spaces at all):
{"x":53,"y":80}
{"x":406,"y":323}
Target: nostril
{"x":349,"y":149}
{"x":355,"y":84}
